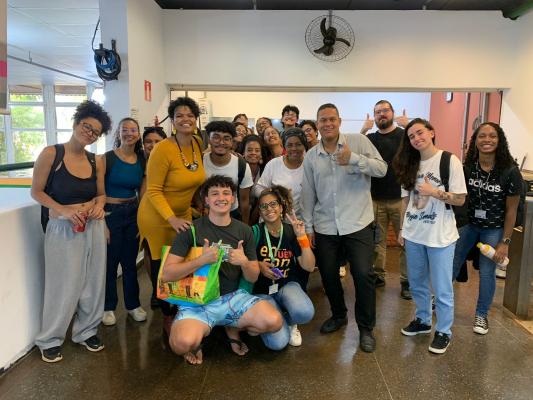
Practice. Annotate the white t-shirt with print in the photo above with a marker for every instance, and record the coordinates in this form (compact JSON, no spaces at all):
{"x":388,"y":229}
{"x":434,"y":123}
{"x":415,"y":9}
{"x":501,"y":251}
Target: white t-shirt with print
{"x":277,"y":173}
{"x":427,"y":221}
{"x":230,"y":170}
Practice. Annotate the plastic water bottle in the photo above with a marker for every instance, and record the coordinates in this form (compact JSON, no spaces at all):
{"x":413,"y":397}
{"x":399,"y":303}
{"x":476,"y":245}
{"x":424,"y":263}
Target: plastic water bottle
{"x":488,"y":251}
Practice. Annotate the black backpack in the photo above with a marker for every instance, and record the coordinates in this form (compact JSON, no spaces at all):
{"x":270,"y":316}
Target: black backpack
{"x":461,"y":214}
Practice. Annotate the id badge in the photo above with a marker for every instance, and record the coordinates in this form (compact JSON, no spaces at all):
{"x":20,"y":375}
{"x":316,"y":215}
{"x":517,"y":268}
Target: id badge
{"x":481,"y":214}
{"x":272,"y":289}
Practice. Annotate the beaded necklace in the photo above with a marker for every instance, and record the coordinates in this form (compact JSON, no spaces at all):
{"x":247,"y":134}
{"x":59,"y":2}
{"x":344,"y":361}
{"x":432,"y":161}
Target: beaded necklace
{"x":191,"y":167}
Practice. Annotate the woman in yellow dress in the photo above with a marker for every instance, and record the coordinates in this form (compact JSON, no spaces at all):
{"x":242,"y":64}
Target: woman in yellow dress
{"x":174,"y":172}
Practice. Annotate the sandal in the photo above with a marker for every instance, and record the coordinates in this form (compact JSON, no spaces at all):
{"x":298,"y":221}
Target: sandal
{"x":197,"y":354}
{"x":242,"y":347}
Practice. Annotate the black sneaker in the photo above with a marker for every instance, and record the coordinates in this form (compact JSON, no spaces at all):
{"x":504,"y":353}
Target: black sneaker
{"x":481,"y":325}
{"x":333,"y":324}
{"x":379,"y":282}
{"x":367,"y":342}
{"x":93,"y":344}
{"x":405,"y":292}
{"x":52,"y":355}
{"x":416,"y":327}
{"x":440,"y":343}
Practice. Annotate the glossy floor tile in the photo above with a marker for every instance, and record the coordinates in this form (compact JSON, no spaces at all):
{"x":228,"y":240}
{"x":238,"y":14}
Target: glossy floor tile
{"x":134,"y":365}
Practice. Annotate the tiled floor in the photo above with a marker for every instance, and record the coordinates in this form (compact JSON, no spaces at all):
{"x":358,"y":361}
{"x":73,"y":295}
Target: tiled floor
{"x":134,"y":366}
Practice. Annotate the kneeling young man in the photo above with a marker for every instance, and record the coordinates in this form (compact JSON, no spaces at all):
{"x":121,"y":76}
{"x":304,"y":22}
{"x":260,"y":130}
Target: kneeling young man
{"x":235,"y":308}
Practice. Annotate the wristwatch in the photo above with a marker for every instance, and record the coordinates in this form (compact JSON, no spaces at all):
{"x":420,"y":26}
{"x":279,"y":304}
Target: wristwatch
{"x":506,"y":241}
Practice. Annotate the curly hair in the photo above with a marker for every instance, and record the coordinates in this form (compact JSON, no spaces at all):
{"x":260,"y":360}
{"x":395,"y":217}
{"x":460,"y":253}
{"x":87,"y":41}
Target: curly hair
{"x":407,"y":160}
{"x":504,"y":159}
{"x":183,"y":102}
{"x":282,"y":195}
{"x":217,"y":181}
{"x":222,"y":127}
{"x":91,"y":109}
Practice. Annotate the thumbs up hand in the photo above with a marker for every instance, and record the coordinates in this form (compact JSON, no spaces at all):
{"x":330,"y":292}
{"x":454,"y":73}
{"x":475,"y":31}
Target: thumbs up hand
{"x":402,"y":120}
{"x":426,"y":188}
{"x":237,"y":256}
{"x":367,"y":125}
{"x":343,"y":155}
{"x":209,"y":253}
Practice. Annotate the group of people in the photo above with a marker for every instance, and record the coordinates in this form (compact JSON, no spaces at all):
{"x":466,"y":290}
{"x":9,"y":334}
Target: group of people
{"x":284,"y":203}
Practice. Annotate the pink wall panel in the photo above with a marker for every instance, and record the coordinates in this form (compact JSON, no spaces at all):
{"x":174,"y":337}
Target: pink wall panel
{"x":447,"y":119}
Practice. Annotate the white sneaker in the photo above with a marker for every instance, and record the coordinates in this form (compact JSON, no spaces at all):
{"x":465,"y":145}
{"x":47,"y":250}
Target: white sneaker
{"x":501,"y":272}
{"x":296,"y":337}
{"x":342,"y":271}
{"x":109,"y":318}
{"x":138,"y":314}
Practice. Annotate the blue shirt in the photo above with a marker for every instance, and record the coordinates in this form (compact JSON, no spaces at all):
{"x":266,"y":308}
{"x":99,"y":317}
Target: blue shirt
{"x":124,"y":180}
{"x":336,"y":199}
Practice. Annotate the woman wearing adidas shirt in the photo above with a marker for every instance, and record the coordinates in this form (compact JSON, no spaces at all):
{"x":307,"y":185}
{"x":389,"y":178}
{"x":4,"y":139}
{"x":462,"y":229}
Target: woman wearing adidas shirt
{"x":494,"y":183}
{"x":428,"y":229}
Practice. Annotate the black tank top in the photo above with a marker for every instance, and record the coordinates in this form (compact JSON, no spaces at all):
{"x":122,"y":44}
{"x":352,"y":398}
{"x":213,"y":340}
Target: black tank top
{"x":66,"y":188}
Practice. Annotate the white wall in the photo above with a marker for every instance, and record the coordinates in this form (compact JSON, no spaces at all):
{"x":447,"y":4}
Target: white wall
{"x":21,"y":278}
{"x":393,"y":49}
{"x":352,"y":106}
{"x":517,"y":102}
{"x":146,"y":55}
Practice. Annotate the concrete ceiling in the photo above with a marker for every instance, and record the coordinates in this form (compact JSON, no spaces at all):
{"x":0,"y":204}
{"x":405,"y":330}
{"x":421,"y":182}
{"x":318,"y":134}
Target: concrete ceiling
{"x":54,"y":33}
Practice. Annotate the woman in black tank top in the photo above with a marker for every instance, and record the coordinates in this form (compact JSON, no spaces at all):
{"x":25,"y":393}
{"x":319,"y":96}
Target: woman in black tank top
{"x":69,"y":183}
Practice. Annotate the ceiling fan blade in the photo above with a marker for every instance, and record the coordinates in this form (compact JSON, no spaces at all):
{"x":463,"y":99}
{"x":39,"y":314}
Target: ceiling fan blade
{"x":323,"y":27}
{"x":326,"y":50}
{"x":343,"y":41}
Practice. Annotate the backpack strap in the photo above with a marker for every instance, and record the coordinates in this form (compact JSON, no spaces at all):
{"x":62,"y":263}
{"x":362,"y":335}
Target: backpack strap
{"x":242,"y":170}
{"x":58,"y":158}
{"x":257,"y":234}
{"x":193,"y":232}
{"x":444,"y":172}
{"x":110,"y":158}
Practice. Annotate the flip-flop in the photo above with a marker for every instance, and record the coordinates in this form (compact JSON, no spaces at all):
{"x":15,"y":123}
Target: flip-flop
{"x":241,"y":344}
{"x":194,"y":352}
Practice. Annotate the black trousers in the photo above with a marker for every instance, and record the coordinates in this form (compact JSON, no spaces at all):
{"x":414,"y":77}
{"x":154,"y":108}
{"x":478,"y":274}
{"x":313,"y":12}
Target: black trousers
{"x":358,"y":248}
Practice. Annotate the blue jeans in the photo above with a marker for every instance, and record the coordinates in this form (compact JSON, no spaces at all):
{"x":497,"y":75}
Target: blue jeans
{"x":469,"y":236}
{"x":122,"y":248}
{"x":431,"y":266}
{"x":295,"y":306}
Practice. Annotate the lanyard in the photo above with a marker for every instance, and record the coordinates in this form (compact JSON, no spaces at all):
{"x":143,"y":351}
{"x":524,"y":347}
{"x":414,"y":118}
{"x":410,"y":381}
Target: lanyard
{"x":267,"y":236}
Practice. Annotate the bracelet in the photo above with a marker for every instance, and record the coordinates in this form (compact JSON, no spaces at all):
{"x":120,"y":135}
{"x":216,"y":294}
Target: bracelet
{"x":304,"y":243}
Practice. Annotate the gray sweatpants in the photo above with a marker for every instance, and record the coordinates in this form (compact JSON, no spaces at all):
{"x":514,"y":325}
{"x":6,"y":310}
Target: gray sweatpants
{"x":75,"y":265}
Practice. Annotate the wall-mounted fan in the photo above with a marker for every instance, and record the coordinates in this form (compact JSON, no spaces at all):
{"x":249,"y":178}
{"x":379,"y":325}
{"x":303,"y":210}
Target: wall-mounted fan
{"x":329,"y":38}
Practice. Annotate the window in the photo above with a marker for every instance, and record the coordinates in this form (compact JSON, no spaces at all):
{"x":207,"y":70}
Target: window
{"x":27,"y":122}
{"x":30,"y":127}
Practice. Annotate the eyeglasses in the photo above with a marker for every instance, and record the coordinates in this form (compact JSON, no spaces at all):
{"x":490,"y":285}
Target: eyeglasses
{"x":217,"y":138}
{"x":89,"y":129}
{"x":266,"y":206}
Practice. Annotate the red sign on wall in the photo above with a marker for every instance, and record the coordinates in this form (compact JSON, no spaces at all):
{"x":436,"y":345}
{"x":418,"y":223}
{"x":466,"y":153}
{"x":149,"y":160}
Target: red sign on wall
{"x":147,"y":91}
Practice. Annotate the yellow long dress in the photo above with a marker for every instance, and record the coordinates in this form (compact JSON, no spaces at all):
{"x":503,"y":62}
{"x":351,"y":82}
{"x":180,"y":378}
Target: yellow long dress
{"x":170,"y":187}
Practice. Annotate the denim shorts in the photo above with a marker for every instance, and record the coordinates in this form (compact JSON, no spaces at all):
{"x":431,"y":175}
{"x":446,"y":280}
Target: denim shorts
{"x":224,"y":311}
